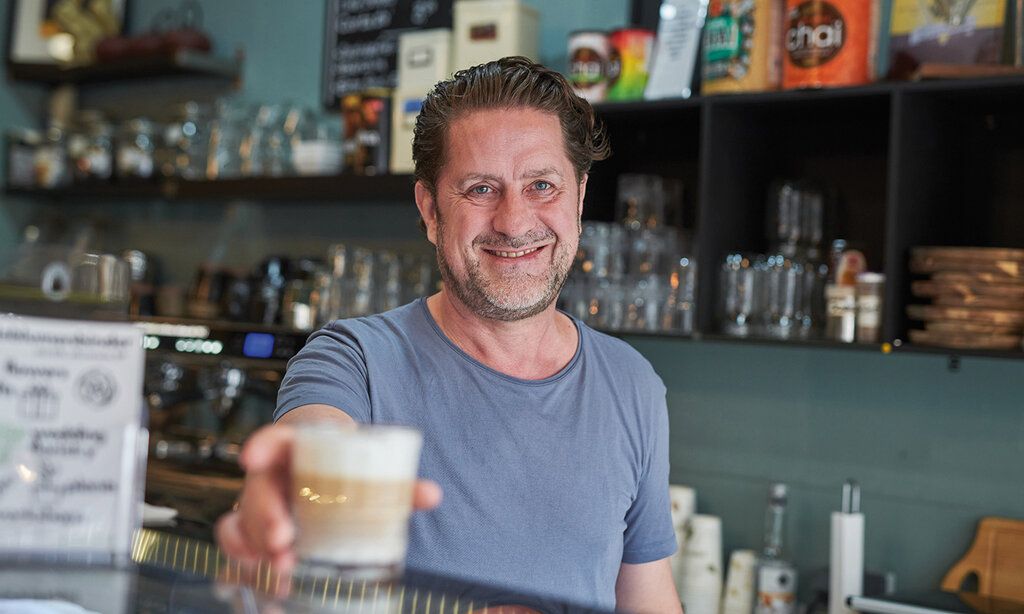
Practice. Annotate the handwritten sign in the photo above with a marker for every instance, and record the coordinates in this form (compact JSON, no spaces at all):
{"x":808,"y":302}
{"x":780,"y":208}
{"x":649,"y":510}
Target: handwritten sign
{"x":361,"y":41}
{"x":71,"y":442}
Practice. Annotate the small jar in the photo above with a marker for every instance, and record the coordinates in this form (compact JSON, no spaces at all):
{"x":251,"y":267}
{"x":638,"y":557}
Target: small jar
{"x":869,"y":306}
{"x":135,"y":149}
{"x":841,"y":319}
{"x":51,"y":161}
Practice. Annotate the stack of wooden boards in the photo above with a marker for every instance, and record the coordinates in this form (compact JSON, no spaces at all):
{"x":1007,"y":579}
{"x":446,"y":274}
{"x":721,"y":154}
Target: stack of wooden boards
{"x":976,"y":297}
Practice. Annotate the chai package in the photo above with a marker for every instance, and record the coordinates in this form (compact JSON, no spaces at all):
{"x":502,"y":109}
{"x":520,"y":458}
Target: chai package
{"x":828,"y":43}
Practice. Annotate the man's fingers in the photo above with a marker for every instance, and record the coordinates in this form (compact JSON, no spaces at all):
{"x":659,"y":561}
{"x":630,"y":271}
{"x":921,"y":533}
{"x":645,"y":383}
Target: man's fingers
{"x":231,"y":539}
{"x":269,"y":448}
{"x":427,"y":495}
{"x":264,"y":516}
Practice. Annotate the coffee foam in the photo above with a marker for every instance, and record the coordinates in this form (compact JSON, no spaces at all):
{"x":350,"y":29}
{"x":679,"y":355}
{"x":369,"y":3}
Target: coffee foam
{"x":374,"y":452}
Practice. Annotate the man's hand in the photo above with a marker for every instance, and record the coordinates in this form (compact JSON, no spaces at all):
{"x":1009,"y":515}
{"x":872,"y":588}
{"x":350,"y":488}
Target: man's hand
{"x":261,"y":526}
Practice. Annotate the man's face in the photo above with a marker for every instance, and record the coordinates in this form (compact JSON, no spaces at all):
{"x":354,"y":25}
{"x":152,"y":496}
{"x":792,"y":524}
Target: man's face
{"x":506,"y":218}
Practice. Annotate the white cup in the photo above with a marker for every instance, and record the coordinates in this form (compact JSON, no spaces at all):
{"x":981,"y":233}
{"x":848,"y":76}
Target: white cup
{"x":352,"y":490}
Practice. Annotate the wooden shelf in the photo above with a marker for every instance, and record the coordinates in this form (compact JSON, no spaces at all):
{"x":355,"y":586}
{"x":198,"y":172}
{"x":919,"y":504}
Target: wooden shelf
{"x":182,"y":63}
{"x":327,"y":189}
{"x":911,"y":348}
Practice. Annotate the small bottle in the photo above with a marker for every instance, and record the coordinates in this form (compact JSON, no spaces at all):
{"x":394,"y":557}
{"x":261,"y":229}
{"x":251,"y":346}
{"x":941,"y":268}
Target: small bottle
{"x":776,"y":577}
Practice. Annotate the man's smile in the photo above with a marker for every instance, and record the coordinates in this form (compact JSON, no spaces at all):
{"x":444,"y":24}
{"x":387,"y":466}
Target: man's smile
{"x":512,"y":255}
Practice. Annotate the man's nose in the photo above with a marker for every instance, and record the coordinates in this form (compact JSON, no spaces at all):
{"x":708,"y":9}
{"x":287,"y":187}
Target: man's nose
{"x":514,"y":216}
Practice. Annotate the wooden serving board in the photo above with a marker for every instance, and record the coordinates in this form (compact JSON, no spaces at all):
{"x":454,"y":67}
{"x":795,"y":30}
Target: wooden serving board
{"x":996,"y":557}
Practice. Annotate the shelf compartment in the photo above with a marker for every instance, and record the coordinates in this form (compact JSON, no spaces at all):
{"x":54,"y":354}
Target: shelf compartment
{"x":958,"y":152}
{"x":838,"y":139}
{"x":650,"y":137}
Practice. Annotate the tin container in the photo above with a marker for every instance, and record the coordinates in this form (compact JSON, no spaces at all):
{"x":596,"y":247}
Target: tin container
{"x":589,"y":52}
{"x":828,"y":44}
{"x":628,"y":63}
{"x":742,"y":44}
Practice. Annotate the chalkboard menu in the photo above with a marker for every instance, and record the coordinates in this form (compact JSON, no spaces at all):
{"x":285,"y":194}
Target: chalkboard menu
{"x":361,"y":41}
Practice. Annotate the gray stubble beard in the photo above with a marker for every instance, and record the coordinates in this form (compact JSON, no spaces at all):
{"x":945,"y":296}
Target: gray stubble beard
{"x":473,"y":295}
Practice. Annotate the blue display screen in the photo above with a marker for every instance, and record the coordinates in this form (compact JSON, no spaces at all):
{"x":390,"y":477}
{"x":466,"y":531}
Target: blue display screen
{"x":258,"y":345}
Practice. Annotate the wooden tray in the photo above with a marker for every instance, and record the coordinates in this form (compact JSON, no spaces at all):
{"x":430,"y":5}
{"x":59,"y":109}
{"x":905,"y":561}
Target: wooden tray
{"x":999,"y":269}
{"x":965,"y":341}
{"x":936,"y":288}
{"x":998,"y":317}
{"x":984,"y":302}
{"x":989,"y":254}
{"x":961,"y":327}
{"x":977,"y":279}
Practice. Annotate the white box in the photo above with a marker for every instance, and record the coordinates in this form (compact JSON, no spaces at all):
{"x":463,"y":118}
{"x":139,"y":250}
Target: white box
{"x":424,"y":58}
{"x":486,"y":30}
{"x":405,"y":107}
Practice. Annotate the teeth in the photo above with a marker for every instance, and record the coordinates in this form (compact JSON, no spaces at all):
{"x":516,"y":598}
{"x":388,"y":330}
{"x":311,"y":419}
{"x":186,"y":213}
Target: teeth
{"x":516,"y":254}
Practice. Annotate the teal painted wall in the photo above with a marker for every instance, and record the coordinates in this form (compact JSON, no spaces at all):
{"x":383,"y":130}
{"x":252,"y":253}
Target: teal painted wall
{"x":20,"y":105}
{"x":935,"y":450}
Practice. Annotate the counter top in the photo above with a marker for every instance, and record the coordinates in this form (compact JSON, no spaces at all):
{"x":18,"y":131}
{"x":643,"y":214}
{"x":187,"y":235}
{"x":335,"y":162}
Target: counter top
{"x":169,"y":573}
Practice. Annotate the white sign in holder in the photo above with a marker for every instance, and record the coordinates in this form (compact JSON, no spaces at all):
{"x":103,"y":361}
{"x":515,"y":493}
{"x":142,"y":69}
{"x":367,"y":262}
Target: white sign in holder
{"x":72,"y":441}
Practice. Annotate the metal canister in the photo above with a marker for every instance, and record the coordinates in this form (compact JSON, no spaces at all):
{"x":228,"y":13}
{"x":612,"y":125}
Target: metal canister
{"x":589,"y":52}
{"x":827,"y":43}
{"x":628,"y":63}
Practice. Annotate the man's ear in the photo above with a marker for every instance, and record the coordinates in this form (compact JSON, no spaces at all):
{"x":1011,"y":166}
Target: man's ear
{"x":583,"y":193}
{"x":427,"y":205}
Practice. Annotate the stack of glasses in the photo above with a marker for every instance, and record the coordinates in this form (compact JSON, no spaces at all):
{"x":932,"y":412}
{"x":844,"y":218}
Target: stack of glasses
{"x":634,"y":275}
{"x":780,"y":294}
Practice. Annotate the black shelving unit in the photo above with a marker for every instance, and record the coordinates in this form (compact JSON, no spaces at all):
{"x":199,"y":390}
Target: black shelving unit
{"x":931,"y":163}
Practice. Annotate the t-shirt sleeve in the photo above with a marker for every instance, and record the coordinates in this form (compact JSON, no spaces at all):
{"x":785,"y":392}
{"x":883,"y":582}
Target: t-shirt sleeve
{"x":330,"y":370}
{"x":649,"y":535}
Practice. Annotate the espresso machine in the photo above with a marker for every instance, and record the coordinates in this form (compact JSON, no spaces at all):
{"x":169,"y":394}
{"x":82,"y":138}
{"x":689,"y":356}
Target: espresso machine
{"x":208,"y":386}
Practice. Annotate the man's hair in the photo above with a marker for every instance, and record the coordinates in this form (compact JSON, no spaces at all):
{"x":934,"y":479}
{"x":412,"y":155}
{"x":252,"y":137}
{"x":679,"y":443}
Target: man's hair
{"x":508,"y":83}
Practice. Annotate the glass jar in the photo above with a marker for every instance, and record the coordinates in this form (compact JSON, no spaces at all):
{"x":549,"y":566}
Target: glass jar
{"x":136,"y":148}
{"x":91,"y":148}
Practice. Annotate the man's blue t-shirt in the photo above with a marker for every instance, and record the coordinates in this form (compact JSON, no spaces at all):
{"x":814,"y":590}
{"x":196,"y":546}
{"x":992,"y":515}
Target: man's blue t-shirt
{"x":549,"y":485}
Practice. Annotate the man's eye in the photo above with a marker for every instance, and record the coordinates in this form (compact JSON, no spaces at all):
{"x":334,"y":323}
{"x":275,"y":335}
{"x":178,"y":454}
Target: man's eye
{"x":543,"y":185}
{"x":481,"y":189}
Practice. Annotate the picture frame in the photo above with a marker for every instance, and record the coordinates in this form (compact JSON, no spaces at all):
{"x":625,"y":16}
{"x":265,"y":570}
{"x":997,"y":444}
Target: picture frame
{"x":60,"y":32}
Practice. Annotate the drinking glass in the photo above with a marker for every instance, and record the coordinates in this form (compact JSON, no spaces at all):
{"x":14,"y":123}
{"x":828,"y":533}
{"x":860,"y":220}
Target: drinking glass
{"x":741,"y":305}
{"x":351,"y":493}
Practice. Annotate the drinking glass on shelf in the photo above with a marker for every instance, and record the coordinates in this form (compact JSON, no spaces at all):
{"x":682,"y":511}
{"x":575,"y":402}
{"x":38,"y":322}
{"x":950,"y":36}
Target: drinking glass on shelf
{"x":266,"y":149}
{"x":387,"y":288}
{"x":741,"y":306}
{"x":681,"y":302}
{"x":640,"y":201}
{"x":360,"y":286}
{"x":228,"y":133}
{"x":783,"y":279}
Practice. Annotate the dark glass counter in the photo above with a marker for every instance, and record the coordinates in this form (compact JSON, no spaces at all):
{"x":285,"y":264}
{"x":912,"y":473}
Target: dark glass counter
{"x":170,"y":573}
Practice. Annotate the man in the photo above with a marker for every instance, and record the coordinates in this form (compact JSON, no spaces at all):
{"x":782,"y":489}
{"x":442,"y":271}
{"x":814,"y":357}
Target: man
{"x":549,"y":440}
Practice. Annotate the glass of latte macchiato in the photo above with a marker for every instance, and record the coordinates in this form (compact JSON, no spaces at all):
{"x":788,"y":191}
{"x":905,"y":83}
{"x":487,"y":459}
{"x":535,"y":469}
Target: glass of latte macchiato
{"x":352,"y":490}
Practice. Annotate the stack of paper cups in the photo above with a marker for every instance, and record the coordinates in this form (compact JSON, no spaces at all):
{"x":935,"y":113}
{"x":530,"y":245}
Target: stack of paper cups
{"x":684,"y":505}
{"x":739,"y":584}
{"x":700,"y":585}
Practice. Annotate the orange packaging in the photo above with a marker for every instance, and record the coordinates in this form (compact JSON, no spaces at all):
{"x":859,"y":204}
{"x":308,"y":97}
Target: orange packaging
{"x":828,"y":43}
